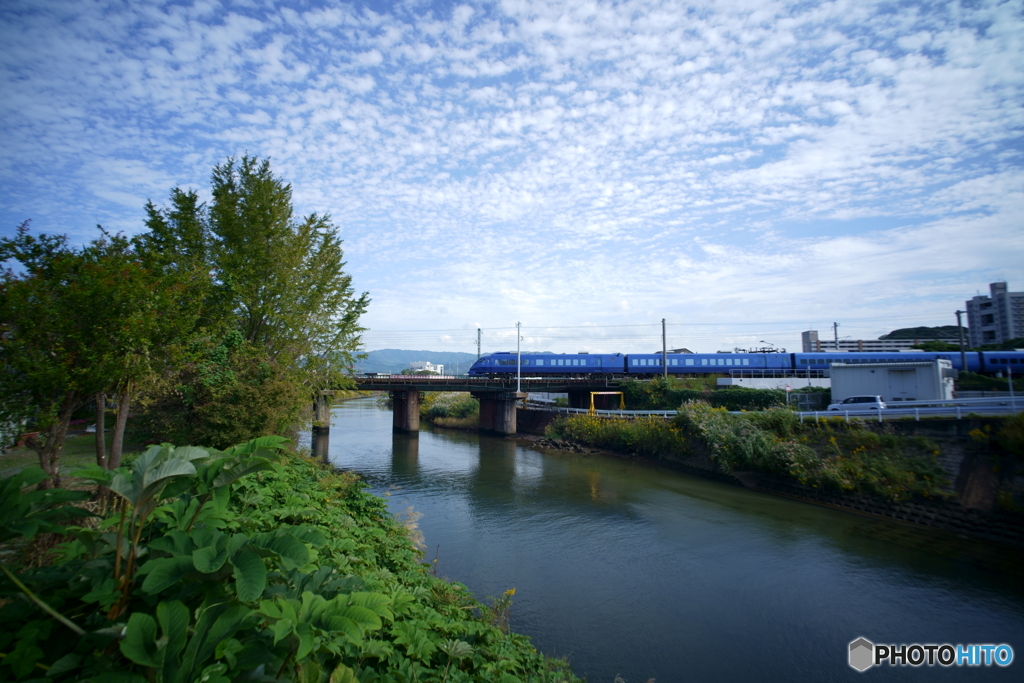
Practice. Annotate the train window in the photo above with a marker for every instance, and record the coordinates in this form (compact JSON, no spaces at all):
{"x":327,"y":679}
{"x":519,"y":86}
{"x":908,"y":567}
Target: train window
{"x":540,"y":361}
{"x":1013,"y":361}
{"x":746,"y":361}
{"x":689,"y":361}
{"x":674,"y":361}
{"x":803,"y":361}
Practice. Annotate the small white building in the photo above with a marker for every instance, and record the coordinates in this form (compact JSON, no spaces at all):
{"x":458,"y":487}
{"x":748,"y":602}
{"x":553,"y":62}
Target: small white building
{"x":894,"y":382}
{"x":421,"y":365}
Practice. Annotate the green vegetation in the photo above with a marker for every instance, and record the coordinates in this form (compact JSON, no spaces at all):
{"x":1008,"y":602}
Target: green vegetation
{"x":77,"y":323}
{"x":649,"y":437}
{"x":217,"y":324}
{"x":245,"y":564}
{"x":1008,"y":345}
{"x":450,"y":409}
{"x":661,"y":394}
{"x":832,"y":454}
{"x":940,"y":332}
{"x":279,"y":316}
{"x":972,"y":381}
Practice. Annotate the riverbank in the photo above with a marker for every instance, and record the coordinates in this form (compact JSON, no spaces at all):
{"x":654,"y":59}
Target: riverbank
{"x":331,"y":586}
{"x":963,"y":484}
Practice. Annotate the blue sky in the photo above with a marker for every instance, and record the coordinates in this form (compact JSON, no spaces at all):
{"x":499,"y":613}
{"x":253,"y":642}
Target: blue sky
{"x":745,"y":169}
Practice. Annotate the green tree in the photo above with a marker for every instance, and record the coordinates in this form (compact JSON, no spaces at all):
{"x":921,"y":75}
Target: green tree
{"x":280,"y":317}
{"x":75,"y":323}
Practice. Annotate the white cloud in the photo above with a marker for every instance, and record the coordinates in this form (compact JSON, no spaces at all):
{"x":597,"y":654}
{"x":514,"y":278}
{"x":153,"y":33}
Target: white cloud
{"x":716,"y":162}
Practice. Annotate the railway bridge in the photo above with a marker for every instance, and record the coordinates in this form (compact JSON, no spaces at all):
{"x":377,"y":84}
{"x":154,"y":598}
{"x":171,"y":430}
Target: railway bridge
{"x":498,"y":397}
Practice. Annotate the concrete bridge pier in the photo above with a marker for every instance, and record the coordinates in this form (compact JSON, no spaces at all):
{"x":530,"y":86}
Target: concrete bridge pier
{"x":322,"y":411}
{"x":405,"y":410}
{"x":498,"y":410}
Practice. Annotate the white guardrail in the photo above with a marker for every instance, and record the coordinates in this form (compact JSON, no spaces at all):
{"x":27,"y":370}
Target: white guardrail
{"x":957,"y":408}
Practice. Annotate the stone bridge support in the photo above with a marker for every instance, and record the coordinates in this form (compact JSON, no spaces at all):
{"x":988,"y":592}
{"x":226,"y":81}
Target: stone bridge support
{"x":498,"y":410}
{"x":405,"y":403}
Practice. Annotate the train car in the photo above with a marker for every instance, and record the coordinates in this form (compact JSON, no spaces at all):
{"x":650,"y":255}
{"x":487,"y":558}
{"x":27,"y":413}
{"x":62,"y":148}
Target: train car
{"x":1005,"y":362}
{"x":549,"y":364}
{"x":821,"y":361}
{"x":641,"y":364}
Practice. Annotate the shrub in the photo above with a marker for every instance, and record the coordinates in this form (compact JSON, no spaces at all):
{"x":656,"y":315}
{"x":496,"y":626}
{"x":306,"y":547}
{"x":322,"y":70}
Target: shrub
{"x":233,"y":567}
{"x":451,"y":404}
{"x":647,"y":436}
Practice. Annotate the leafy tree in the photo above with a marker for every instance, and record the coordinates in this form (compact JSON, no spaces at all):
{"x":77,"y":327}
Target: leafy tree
{"x":280,"y":318}
{"x":75,"y":323}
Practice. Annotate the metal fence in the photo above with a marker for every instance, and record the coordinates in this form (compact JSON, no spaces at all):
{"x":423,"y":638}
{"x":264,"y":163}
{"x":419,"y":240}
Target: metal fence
{"x":955,"y":408}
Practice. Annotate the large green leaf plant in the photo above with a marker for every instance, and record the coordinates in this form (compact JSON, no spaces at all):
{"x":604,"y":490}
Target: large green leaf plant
{"x":169,"y":588}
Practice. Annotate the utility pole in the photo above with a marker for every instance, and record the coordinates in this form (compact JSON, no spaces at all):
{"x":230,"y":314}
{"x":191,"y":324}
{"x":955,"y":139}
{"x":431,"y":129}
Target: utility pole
{"x":478,"y":343}
{"x":835,"y":332}
{"x":664,"y":351}
{"x":519,"y":359}
{"x":1013,"y":401}
{"x":960,"y":331}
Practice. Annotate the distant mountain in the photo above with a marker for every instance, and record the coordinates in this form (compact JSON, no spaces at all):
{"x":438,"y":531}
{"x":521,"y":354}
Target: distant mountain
{"x":396,"y":360}
{"x":942,"y":332}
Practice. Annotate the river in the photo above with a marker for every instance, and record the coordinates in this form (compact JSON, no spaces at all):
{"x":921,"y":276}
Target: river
{"x":631,"y":570}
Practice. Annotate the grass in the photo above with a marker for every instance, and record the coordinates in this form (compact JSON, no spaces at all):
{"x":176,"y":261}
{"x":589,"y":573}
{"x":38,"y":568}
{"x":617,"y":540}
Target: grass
{"x":831,"y":454}
{"x":79,"y":451}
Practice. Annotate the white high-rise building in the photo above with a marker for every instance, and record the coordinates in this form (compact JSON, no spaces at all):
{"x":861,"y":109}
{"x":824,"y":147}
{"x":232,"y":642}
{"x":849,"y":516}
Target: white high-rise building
{"x":996,"y":318}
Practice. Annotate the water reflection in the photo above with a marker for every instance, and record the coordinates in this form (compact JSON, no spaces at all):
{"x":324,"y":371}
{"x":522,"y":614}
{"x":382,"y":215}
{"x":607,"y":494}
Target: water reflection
{"x":405,"y":455}
{"x":633,"y":570}
{"x":320,"y":442}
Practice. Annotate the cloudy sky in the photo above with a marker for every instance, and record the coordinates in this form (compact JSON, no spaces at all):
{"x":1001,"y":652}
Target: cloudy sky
{"x":745,"y":169}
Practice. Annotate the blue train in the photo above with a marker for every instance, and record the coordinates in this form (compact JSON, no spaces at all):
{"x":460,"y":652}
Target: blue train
{"x":650,"y":364}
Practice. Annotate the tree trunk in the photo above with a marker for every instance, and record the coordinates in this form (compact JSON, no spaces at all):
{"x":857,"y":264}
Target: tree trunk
{"x":53,"y":444}
{"x":101,"y":442}
{"x":117,"y":439}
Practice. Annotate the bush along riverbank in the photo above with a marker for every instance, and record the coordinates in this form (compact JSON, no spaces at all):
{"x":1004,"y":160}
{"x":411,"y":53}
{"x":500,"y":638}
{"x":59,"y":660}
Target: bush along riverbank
{"x":451,"y":409}
{"x":859,"y":466}
{"x":246,"y":564}
{"x":669,"y":394}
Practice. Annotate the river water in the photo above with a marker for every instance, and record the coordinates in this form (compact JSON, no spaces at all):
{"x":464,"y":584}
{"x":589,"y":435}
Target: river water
{"x":631,"y":570}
